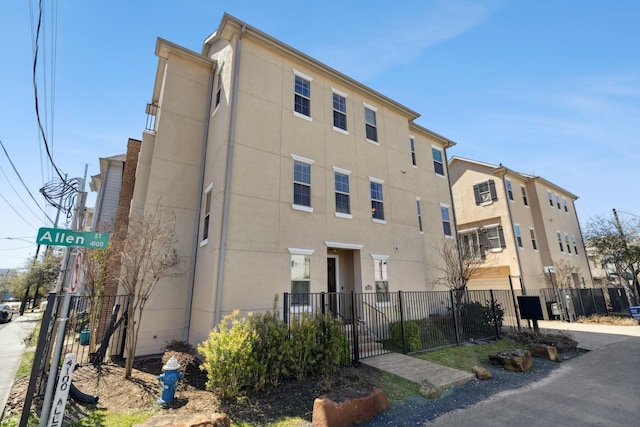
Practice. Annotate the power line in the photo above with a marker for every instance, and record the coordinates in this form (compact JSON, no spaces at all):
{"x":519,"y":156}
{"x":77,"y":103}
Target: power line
{"x":17,"y":213}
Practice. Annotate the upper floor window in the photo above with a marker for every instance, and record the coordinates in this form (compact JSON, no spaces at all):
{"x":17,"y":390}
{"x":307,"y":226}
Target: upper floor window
{"x":509,"y":189}
{"x":380,"y":277}
{"x":558,"y":201}
{"x":495,"y":237}
{"x":419,"y":211}
{"x":302,"y":99}
{"x":377,"y":201}
{"x":207,"y":213}
{"x":516,"y":229}
{"x":559,"y":236}
{"x":438,"y":162}
{"x":564,"y":203}
{"x":371,"y":126}
{"x":575,"y":245}
{"x":218,"y":96}
{"x":446,"y":220}
{"x":470,"y":245}
{"x":525,"y":200}
{"x":343,"y":204}
{"x":485,"y":192}
{"x":339,"y":111}
{"x":412,"y":147}
{"x":532,"y":233}
{"x":302,"y":183}
{"x":550,"y":196}
{"x":566,"y":241}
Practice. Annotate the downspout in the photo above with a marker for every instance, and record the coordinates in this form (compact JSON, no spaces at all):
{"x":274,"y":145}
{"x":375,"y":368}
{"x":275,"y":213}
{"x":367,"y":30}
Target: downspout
{"x":515,"y":241}
{"x":227,"y":183}
{"x":196,"y":225}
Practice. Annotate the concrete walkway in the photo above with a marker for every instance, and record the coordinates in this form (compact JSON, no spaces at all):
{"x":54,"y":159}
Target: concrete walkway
{"x":418,"y":370}
{"x":12,"y":347}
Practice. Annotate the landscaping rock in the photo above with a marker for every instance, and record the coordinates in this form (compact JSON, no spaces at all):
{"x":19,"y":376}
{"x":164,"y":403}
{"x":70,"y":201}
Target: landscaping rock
{"x":350,"y":411}
{"x":482,"y":373}
{"x":544,"y":351}
{"x":429,"y":391}
{"x":513,"y":360}
{"x":187,"y":420}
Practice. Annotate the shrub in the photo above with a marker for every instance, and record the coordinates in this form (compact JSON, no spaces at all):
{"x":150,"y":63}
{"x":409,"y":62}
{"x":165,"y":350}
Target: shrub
{"x":411,"y":336}
{"x":270,"y":348}
{"x":332,"y":348}
{"x":478,"y":321}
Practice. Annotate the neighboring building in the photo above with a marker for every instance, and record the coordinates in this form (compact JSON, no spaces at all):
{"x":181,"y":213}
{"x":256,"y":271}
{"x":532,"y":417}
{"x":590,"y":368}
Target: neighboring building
{"x":284,"y":175}
{"x":517,"y":226}
{"x":107,"y":184}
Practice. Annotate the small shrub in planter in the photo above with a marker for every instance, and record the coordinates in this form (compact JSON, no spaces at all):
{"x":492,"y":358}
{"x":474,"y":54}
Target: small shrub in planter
{"x":412,"y":336}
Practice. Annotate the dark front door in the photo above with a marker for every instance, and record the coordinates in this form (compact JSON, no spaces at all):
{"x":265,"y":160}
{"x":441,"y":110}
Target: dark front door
{"x":332,"y":286}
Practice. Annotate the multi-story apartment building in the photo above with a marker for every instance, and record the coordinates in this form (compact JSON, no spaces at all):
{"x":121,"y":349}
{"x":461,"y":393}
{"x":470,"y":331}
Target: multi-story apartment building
{"x":284,"y":175}
{"x":522,"y":230}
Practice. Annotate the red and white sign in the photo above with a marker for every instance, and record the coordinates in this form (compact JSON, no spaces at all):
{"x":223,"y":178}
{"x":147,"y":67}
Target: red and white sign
{"x":76,"y":274}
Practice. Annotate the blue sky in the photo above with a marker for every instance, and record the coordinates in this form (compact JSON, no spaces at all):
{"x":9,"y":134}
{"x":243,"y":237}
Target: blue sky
{"x":546,"y":87}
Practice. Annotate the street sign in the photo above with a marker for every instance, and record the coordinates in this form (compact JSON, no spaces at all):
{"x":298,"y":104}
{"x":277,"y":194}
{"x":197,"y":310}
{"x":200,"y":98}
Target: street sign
{"x":62,"y":237}
{"x":62,"y":391}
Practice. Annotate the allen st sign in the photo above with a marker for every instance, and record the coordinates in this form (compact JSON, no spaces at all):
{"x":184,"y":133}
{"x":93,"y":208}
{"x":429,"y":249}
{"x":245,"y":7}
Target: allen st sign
{"x":61,"y":237}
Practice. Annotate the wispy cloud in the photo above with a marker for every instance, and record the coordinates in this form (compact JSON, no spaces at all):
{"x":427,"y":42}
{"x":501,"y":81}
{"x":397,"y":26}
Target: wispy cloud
{"x":395,"y":40}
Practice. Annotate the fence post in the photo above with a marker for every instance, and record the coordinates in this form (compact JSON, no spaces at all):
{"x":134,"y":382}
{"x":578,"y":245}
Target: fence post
{"x":495,"y":314}
{"x":354,"y":330}
{"x":322,"y":303}
{"x":515,"y":303}
{"x":285,"y":308}
{"x":455,"y":317}
{"x":581,"y":303}
{"x":402,"y":332}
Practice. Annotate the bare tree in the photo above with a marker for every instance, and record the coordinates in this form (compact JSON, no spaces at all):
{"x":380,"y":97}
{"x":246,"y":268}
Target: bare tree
{"x":95,"y":263}
{"x":149,"y":254}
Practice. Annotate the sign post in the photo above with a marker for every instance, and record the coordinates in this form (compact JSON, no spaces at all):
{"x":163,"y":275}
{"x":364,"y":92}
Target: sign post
{"x":62,"y":391}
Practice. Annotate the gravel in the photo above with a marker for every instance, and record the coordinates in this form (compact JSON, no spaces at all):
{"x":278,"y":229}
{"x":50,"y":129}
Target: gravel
{"x":417,"y":410}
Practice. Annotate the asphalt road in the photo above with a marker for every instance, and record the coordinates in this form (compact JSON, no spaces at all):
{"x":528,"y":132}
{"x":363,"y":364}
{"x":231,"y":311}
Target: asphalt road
{"x":12,"y":346}
{"x":599,"y":388}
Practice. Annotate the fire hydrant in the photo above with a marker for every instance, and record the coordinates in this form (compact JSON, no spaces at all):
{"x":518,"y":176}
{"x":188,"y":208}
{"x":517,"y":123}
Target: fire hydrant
{"x":170,"y":378}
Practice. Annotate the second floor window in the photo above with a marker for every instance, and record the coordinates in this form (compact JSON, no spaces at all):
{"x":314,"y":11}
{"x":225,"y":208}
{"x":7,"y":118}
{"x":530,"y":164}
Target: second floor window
{"x":342,"y":193}
{"x":524,"y":195}
{"x":575,"y":244}
{"x":485,"y":192}
{"x":377,"y":204}
{"x":412,"y":146}
{"x":419,"y":215}
{"x":302,"y":101}
{"x":559,"y":236}
{"x":339,"y":111}
{"x":438,"y":163}
{"x":532,"y":233}
{"x":301,"y":184}
{"x":495,"y":237}
{"x":207,"y":215}
{"x":446,"y":220}
{"x":516,"y":228}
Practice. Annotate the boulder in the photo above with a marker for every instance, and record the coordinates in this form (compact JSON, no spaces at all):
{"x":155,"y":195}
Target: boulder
{"x":429,"y":391}
{"x":187,"y":420}
{"x":350,"y":411}
{"x":544,"y":351}
{"x":482,"y":373}
{"x":513,"y":360}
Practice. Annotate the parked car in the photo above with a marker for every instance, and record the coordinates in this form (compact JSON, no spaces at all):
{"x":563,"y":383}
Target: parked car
{"x":6,"y":313}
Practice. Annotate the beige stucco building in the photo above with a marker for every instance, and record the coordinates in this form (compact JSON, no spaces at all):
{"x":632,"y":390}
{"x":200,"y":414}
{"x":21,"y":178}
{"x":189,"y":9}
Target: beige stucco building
{"x":517,"y":226}
{"x":284,"y":175}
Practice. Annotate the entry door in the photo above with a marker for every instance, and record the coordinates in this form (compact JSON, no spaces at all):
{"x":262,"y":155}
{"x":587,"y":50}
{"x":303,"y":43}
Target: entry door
{"x":332,"y":281}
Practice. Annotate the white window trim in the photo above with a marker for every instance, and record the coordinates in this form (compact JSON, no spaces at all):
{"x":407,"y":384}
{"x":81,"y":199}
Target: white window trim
{"x":339,"y":245}
{"x":343,"y":215}
{"x":342,"y":131}
{"x":300,"y":251}
{"x":444,"y":164}
{"x":339,"y":92}
{"x":370,"y":141}
{"x":376,"y":180}
{"x":370,"y":107}
{"x":215,"y":94}
{"x":302,"y":116}
{"x":345,"y":96}
{"x":303,"y":75}
{"x":379,"y":221}
{"x":342,"y":171}
{"x":378,"y":257}
{"x":209,"y":189}
{"x":302,"y":159}
{"x":301,"y":208}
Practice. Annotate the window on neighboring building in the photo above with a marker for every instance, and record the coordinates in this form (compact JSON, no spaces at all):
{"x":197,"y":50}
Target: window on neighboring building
{"x":559,"y":235}
{"x":550,"y":196}
{"x":523,"y":190}
{"x":412,"y":146}
{"x":566,"y":241}
{"x":343,"y":204}
{"x":218,"y":96}
{"x":558,"y":201}
{"x":339,"y":111}
{"x":371,"y":126}
{"x":564,"y":203}
{"x":301,"y":184}
{"x":575,"y":244}
{"x":380,"y":277}
{"x":438,"y":162}
{"x":446,"y":220}
{"x":495,"y":237}
{"x":207,"y":213}
{"x":532,"y":233}
{"x":377,"y":201}
{"x":302,"y":99}
{"x":470,"y":244}
{"x":516,"y":229}
{"x":419,"y":214}
{"x":509,"y":190}
{"x":485,"y":192}
{"x":300,"y":279}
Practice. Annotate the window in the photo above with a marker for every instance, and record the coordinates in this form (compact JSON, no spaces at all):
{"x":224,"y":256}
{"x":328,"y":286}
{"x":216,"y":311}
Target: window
{"x":470,"y":245}
{"x":532,"y":233}
{"x":485,"y":192}
{"x":566,"y":241}
{"x":509,"y":190}
{"x":371,"y":124}
{"x":218,"y":95}
{"x":523,"y":190}
{"x":342,"y":193}
{"x":564,"y":203}
{"x":412,"y":147}
{"x":300,"y":279}
{"x":377,"y":205}
{"x":419,"y":214}
{"x":446,"y":220}
{"x":301,"y":184}
{"x":560,"y":241}
{"x":550,"y":196}
{"x":302,"y":99}
{"x":575,"y":245}
{"x":380,"y":277}
{"x":516,"y":229}
{"x":207,"y":214}
{"x":558,"y":201}
{"x":495,"y":237}
{"x":339,"y":111}
{"x":438,"y":164}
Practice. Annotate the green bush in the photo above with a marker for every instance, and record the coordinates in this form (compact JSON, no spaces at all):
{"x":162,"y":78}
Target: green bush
{"x":332,"y":348}
{"x":478,"y":321}
{"x":437,"y":331}
{"x":271,"y":349}
{"x":411,"y":335}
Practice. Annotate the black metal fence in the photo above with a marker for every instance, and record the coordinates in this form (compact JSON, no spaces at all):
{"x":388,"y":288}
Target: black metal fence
{"x":569,"y":304}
